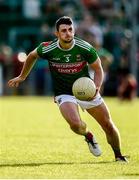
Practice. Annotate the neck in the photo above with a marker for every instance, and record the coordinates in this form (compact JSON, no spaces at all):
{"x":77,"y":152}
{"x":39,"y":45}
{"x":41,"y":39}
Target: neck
{"x":65,"y":45}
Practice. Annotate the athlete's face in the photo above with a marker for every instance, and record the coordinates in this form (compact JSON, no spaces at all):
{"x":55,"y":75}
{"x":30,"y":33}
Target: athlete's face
{"x":65,"y":33}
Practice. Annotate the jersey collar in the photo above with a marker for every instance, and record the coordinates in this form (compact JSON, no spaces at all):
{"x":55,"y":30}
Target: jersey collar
{"x":66,"y":49}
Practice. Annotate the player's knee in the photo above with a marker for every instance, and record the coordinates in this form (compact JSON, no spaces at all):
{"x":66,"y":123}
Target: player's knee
{"x":75,"y":125}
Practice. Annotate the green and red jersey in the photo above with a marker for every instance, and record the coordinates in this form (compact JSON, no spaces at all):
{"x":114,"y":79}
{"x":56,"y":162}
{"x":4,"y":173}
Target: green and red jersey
{"x":67,"y":65}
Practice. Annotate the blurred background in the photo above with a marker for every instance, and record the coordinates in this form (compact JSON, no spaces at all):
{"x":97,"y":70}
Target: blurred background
{"x":112,"y":27}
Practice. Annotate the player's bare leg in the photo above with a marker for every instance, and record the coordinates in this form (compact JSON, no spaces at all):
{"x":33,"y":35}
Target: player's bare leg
{"x":103,"y":117}
{"x":70,"y":112}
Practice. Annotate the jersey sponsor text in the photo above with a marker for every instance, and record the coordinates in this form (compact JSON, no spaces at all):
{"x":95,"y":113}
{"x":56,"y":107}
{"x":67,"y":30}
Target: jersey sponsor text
{"x":68,"y":68}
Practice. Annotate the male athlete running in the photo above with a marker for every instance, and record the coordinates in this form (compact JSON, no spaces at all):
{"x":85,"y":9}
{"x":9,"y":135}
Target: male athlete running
{"x":69,"y":58}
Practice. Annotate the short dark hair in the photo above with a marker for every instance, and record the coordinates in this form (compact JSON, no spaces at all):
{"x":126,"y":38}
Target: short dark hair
{"x":63,"y":20}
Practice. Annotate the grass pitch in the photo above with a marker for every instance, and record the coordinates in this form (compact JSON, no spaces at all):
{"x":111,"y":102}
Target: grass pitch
{"x":36,"y":142}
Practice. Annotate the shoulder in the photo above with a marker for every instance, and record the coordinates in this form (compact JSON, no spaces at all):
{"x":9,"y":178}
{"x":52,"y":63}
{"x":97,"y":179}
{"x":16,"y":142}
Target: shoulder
{"x":46,"y":43}
{"x":83,"y":44}
{"x":49,"y":43}
{"x":47,"y":46}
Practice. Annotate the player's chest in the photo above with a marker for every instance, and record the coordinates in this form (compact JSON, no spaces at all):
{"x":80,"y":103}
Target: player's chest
{"x":66,"y":57}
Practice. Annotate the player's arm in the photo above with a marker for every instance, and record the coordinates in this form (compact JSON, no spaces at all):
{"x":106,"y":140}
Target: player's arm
{"x":30,"y":61}
{"x":98,"y":75}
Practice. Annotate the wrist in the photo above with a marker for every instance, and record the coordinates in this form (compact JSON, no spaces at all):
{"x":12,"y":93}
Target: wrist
{"x":22,"y":77}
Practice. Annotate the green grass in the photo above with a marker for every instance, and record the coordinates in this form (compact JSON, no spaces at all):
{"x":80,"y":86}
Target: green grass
{"x":36,"y":142}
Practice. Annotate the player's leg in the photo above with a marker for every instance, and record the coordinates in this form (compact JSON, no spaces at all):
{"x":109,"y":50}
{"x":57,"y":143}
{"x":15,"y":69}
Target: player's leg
{"x":71,"y":114}
{"x":102,"y":115}
{"x":69,"y":109}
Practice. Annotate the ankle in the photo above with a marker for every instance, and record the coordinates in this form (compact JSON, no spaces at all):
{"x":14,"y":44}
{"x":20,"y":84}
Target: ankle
{"x":89,"y":135}
{"x":117,"y":153}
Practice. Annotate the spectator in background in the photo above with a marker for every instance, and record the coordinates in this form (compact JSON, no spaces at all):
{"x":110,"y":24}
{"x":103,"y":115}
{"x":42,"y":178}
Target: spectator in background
{"x":88,"y":27}
{"x":127,"y":89}
{"x":84,"y":25}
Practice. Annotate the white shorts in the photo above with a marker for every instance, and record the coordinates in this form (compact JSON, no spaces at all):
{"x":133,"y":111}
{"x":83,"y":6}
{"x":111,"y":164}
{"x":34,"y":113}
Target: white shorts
{"x":83,"y":104}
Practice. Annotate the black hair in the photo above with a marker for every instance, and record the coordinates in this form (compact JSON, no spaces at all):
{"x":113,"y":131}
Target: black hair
{"x":63,"y":20}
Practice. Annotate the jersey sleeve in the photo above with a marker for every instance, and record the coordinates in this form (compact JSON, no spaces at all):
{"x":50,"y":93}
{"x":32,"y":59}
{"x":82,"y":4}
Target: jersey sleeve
{"x":40,"y":49}
{"x":92,"y":55}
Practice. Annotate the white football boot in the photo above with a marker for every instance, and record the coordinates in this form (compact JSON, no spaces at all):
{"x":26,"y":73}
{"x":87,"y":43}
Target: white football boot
{"x":92,"y":144}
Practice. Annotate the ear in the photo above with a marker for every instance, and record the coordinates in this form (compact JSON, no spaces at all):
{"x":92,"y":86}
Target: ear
{"x":56,"y":33}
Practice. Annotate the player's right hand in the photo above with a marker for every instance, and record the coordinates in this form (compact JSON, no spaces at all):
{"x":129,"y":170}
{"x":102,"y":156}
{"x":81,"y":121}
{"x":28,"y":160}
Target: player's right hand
{"x":15,"y":81}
